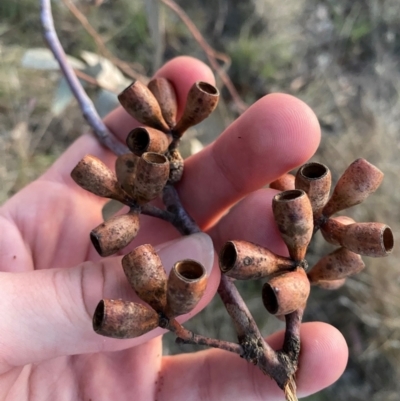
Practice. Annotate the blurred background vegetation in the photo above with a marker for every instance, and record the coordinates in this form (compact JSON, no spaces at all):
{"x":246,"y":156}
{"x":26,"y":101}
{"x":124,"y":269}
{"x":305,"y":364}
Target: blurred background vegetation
{"x":342,"y":58}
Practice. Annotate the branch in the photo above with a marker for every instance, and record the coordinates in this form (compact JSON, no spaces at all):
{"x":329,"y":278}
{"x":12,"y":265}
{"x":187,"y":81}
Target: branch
{"x":186,"y":336}
{"x":86,"y":105}
{"x":153,"y":211}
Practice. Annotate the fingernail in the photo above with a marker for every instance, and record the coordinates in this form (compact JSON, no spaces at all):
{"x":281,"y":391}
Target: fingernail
{"x":198,"y":247}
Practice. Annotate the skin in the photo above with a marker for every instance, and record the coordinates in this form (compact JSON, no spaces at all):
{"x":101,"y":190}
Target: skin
{"x":52,"y":278}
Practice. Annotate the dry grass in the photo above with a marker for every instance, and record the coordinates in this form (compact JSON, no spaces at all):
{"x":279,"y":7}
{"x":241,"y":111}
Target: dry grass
{"x":341,"y":58}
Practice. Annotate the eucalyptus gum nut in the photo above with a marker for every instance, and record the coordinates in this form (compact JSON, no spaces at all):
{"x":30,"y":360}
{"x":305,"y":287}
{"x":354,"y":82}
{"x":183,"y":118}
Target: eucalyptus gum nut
{"x":337,"y":265}
{"x":284,"y":183}
{"x":368,"y":239}
{"x":123,"y":319}
{"x":94,"y":176}
{"x":293,"y":215}
{"x":315,"y":180}
{"x":141,"y":140}
{"x":201,"y":101}
{"x":152,"y":172}
{"x":164,"y":92}
{"x":359,"y":180}
{"x":141,"y":104}
{"x":333,"y":229}
{"x":146,"y":275}
{"x":244,"y":260}
{"x":329,"y":284}
{"x":186,"y":284}
{"x":114,"y":234}
{"x":125,"y":171}
{"x":287,"y":292}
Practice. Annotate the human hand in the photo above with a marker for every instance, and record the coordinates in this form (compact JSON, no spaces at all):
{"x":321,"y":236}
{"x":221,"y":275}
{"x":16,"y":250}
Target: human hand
{"x":52,"y":278}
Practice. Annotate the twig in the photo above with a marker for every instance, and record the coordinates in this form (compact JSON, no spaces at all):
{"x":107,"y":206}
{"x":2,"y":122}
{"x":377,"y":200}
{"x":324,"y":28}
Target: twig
{"x":153,"y":211}
{"x":93,"y":81}
{"x":237,"y":309}
{"x":122,"y":65}
{"x":186,"y":336}
{"x":182,"y":222}
{"x":211,"y":54}
{"x":291,"y":344}
{"x":86,"y":105}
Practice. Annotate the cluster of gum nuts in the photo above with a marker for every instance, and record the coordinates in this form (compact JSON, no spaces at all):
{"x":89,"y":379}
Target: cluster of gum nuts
{"x":302,"y":208}
{"x":140,"y":176}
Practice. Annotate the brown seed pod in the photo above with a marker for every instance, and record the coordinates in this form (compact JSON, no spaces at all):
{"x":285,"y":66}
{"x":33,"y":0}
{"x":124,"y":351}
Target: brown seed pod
{"x":94,"y":176}
{"x":114,"y":234}
{"x":287,"y":292}
{"x":368,"y":239}
{"x":187,"y":282}
{"x":147,"y":276}
{"x":201,"y":101}
{"x":329,"y":285}
{"x":358,"y":181}
{"x":141,"y":104}
{"x":125,"y":171}
{"x":141,"y":140}
{"x":315,"y":180}
{"x":337,"y":265}
{"x":123,"y":319}
{"x":293,"y":215}
{"x":284,"y":183}
{"x":334,"y":228}
{"x":152,"y":172}
{"x":164,"y":92}
{"x":244,"y":260}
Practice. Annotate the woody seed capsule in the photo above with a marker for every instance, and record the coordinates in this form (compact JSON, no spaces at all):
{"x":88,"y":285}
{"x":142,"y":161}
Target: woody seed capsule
{"x":287,"y":292}
{"x":187,"y":282}
{"x":293,"y":215}
{"x":244,"y":260}
{"x":123,"y":319}
{"x":164,"y":92}
{"x":201,"y":101}
{"x":147,"y":276}
{"x":141,"y":104}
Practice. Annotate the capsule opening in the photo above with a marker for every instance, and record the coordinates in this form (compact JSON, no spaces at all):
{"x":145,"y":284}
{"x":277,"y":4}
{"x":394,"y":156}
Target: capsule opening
{"x":96,"y":243}
{"x":208,"y":88}
{"x":388,"y":240}
{"x":98,"y":317}
{"x":314,"y":171}
{"x":154,"y":158}
{"x":228,"y":257}
{"x":127,"y":88}
{"x":289,"y":195}
{"x":269,"y":298}
{"x":189,"y":269}
{"x":138,"y":140}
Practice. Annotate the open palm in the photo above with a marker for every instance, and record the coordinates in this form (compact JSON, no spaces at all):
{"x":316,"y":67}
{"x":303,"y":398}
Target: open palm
{"x":52,"y":278}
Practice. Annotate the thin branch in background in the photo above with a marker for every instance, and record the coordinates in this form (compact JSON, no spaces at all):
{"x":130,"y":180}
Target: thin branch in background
{"x":122,"y":65}
{"x":93,"y":81}
{"x":211,"y":54}
{"x":86,"y":105}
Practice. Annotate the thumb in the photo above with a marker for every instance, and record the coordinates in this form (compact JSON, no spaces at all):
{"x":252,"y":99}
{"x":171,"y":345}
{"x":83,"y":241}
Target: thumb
{"x":48,"y":313}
